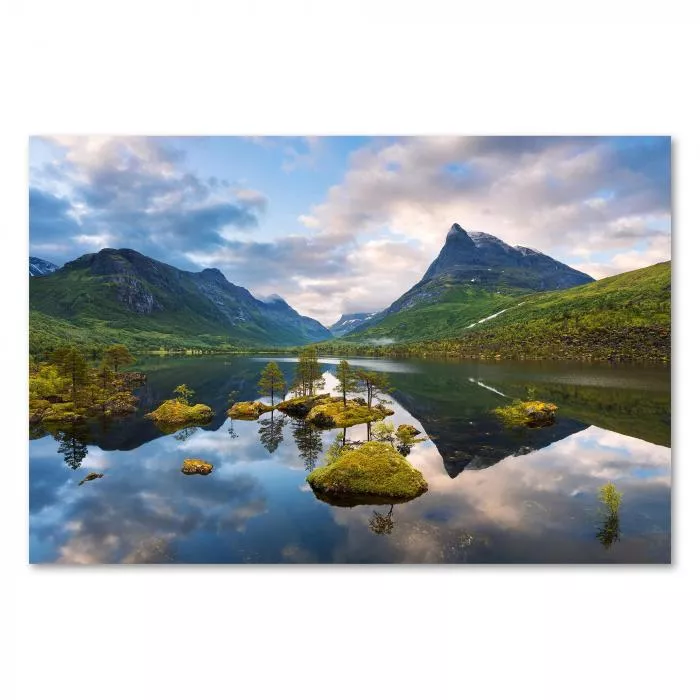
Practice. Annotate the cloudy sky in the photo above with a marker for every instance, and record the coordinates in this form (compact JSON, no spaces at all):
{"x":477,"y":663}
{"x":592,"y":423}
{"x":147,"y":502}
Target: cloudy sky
{"x":343,"y":224}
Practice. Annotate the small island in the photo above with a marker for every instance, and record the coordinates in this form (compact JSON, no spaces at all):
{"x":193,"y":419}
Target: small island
{"x":179,"y":413}
{"x":373,"y":473}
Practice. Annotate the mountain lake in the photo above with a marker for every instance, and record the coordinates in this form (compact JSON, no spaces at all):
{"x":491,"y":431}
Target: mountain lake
{"x":496,"y":494}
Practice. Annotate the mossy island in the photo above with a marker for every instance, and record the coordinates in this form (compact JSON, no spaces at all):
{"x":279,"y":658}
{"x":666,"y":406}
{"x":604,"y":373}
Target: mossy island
{"x":69,"y":388}
{"x":179,"y":413}
{"x":529,"y":414}
{"x":373,"y":473}
{"x":333,"y":413}
{"x":196,"y":466}
{"x":300,"y":406}
{"x":248,"y":410}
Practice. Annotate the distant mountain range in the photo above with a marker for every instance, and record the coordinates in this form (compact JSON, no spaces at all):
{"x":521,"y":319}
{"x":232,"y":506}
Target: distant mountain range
{"x":122,"y":295}
{"x":39,"y":267}
{"x":348,"y":322}
{"x":475,"y":275}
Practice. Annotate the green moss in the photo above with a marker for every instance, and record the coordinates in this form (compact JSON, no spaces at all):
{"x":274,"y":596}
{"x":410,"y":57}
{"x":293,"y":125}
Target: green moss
{"x":331,"y":413}
{"x":373,"y":473}
{"x":64,"y":412}
{"x":405,"y":431}
{"x":532,"y":414}
{"x":177,"y":413}
{"x":301,"y":406}
{"x":248,"y":410}
{"x":196,"y":466}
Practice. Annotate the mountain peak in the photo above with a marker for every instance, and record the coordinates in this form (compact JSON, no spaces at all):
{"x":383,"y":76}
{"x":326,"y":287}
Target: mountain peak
{"x":456,"y":230}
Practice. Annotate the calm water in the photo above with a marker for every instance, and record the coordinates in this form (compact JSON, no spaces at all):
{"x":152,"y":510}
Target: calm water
{"x":495,"y":495}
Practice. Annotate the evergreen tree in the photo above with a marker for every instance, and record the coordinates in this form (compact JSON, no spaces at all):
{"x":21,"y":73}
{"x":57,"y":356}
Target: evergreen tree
{"x":272,"y":381}
{"x":183,"y":393}
{"x":308,"y":376}
{"x":372,"y":383}
{"x":72,"y":365}
{"x":118,"y":356}
{"x":347,"y":380}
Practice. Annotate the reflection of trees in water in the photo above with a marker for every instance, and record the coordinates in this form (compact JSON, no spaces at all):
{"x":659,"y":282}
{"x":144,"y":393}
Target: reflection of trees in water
{"x":309,"y":442}
{"x":186,"y":433}
{"x":232,"y":430}
{"x":73,"y":445}
{"x":271,"y":431}
{"x":609,"y":530}
{"x":382,"y":524}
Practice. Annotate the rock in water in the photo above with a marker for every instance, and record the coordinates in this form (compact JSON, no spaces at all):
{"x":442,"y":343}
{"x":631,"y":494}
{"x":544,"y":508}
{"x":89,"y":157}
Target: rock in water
{"x":196,"y":466}
{"x":90,"y":477}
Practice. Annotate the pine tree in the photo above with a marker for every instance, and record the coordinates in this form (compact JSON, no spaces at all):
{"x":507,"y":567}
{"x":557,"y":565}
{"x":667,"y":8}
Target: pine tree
{"x":118,"y":356}
{"x":372,"y":383}
{"x":347,"y":380}
{"x":272,"y":381}
{"x":308,"y":375}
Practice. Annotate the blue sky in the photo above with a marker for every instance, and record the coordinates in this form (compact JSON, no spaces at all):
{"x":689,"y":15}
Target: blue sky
{"x":345,"y":224}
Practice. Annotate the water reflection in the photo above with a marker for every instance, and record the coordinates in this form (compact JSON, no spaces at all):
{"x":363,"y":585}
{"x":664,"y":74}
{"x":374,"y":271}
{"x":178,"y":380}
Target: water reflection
{"x":494,"y":495}
{"x":72,"y":444}
{"x":271,"y":433}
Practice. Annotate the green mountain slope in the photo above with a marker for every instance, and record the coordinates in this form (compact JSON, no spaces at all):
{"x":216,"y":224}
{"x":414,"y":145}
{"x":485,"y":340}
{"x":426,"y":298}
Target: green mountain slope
{"x":625,"y":317}
{"x":121,"y":295}
{"x":474,"y":276}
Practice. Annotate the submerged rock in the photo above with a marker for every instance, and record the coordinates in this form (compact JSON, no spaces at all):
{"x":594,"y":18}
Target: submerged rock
{"x":196,"y":466}
{"x":331,"y":413}
{"x":174,"y":412}
{"x":91,"y":477}
{"x":531,"y":414}
{"x":374,"y":473}
{"x":248,"y":410}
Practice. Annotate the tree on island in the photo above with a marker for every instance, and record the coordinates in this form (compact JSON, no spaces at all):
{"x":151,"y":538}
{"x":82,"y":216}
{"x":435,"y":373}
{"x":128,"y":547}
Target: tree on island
{"x":308,"y":376}
{"x":347,"y":380}
{"x":372,"y":383}
{"x":118,"y":356}
{"x":183,"y":393}
{"x":272,"y":381}
{"x":72,"y":365}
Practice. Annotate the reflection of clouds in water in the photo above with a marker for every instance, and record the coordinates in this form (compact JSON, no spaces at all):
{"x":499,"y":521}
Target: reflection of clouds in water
{"x":141,"y":511}
{"x":535,"y":506}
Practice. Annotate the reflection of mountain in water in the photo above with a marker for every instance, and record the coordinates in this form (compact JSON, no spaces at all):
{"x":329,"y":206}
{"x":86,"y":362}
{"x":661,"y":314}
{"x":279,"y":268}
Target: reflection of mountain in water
{"x":477,"y":440}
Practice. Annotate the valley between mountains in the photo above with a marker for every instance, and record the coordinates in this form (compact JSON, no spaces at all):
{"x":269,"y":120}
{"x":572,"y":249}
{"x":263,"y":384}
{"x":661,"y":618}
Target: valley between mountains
{"x":479,"y":298}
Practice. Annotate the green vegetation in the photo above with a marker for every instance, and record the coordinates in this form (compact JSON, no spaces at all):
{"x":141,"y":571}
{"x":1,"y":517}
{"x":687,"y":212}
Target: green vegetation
{"x":347,"y":379}
{"x":622,"y":318}
{"x":531,"y":414}
{"x":611,"y":497}
{"x":371,"y":383}
{"x":372,"y":473}
{"x":178,"y":412}
{"x":308,"y":378}
{"x":609,"y":530}
{"x":196,"y":466}
{"x":300,"y":406}
{"x":272,"y":381}
{"x":67,"y":388}
{"x":248,"y":410}
{"x":332,"y":413}
{"x":122,"y":297}
{"x":446,"y":315}
{"x":118,"y":356}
